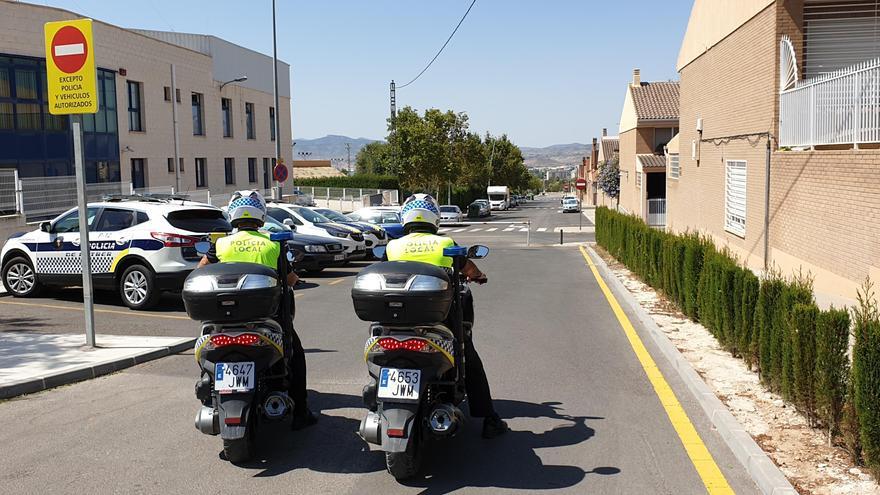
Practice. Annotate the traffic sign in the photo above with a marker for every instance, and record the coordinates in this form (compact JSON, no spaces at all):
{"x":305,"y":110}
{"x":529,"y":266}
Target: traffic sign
{"x":70,"y":67}
{"x":581,"y":184}
{"x":280,"y":172}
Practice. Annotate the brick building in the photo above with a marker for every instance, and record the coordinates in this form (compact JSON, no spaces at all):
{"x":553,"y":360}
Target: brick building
{"x":790,"y":85}
{"x":648,"y":122}
{"x":226,"y":131}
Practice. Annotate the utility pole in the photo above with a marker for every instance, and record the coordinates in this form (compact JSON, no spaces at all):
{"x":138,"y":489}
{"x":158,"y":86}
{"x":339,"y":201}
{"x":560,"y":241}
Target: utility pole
{"x":393,"y":100}
{"x":348,"y":148}
{"x":277,"y":192}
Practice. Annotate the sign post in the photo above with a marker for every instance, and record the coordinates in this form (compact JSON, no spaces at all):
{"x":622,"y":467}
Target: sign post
{"x":581,"y":185}
{"x":71,"y":77}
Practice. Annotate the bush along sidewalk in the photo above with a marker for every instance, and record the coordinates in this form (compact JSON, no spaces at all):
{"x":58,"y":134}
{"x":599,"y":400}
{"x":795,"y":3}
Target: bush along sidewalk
{"x":771,"y":322}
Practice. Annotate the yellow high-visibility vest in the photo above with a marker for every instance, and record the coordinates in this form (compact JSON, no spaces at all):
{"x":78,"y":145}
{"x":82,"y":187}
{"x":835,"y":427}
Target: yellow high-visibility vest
{"x":419,"y":246}
{"x":248,"y":246}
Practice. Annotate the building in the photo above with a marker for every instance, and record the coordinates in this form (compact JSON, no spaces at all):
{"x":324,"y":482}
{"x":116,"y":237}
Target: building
{"x":648,"y":122}
{"x":606,"y":151}
{"x":780,"y":130}
{"x":313,"y":169}
{"x":225,"y":127}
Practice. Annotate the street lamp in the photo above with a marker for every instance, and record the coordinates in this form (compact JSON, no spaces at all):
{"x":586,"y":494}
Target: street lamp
{"x":237,"y":79}
{"x":305,"y":154}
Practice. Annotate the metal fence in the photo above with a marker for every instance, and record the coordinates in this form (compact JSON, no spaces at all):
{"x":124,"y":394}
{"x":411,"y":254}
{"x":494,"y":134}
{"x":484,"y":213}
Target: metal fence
{"x":657,"y":212}
{"x":8,"y":201}
{"x":841,"y":107}
{"x":44,"y":197}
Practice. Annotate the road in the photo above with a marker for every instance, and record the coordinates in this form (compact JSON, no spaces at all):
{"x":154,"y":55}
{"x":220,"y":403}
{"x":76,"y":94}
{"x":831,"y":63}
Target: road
{"x":585,"y":417}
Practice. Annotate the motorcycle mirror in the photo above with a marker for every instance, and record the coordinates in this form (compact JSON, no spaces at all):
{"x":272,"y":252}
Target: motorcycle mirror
{"x":288,"y":222}
{"x":478,"y":251}
{"x":202,"y":247}
{"x":379,"y":252}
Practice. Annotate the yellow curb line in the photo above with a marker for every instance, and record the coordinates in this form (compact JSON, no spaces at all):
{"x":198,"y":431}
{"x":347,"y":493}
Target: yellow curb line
{"x":335,"y":281}
{"x":712,"y":477}
{"x":97,"y":310}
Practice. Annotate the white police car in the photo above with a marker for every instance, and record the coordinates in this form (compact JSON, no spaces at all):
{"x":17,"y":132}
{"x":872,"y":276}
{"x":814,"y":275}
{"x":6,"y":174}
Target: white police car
{"x":140,"y":246}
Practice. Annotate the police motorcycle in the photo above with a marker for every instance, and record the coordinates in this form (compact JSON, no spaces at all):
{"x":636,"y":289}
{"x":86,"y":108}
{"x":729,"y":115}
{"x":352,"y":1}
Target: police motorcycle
{"x":414,"y":354}
{"x":243,"y":350}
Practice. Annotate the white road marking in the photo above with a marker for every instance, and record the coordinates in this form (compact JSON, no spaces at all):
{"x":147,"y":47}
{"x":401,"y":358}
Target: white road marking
{"x":475,"y":230}
{"x":442,"y":231}
{"x":508,"y":229}
{"x":458,"y":230}
{"x":542,"y":229}
{"x":74,"y":49}
{"x":524,"y":229}
{"x":493,"y":229}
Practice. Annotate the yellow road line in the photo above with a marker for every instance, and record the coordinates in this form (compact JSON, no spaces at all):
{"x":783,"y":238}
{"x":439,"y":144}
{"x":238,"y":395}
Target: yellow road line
{"x":97,"y":310}
{"x":711,"y":475}
{"x":335,"y":281}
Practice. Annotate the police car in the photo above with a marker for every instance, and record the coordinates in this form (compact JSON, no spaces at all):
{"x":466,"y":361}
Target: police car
{"x":140,"y":246}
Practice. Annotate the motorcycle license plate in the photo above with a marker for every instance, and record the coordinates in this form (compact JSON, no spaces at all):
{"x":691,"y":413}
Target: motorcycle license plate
{"x":234,"y":377}
{"x":339,"y":257}
{"x":397,"y":384}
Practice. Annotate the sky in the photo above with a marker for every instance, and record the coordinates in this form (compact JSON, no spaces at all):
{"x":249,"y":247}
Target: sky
{"x":542,"y":71}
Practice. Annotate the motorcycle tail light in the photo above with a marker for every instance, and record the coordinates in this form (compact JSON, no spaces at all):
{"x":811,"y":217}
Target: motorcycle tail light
{"x":412,"y":345}
{"x":223,"y":340}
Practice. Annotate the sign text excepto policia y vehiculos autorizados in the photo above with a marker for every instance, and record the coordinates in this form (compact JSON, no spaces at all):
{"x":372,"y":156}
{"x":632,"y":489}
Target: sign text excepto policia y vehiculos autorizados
{"x":70,"y":67}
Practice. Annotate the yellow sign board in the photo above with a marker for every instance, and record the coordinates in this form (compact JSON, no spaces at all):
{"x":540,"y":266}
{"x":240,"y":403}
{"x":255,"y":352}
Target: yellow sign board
{"x":70,"y":67}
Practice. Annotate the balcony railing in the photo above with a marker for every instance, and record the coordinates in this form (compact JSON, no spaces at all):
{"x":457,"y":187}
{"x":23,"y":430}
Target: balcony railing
{"x":841,"y":107}
{"x":657,"y":212}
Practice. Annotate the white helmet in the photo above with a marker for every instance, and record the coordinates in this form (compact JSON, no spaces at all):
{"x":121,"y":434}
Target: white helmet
{"x":246,"y":205}
{"x":420,"y":210}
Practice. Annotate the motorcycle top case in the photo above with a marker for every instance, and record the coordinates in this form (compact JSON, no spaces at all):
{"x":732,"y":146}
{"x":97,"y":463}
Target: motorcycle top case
{"x":402,"y":292}
{"x":232,"y":292}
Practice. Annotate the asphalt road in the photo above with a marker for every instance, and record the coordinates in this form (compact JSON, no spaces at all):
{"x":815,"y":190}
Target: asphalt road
{"x":585,"y":418}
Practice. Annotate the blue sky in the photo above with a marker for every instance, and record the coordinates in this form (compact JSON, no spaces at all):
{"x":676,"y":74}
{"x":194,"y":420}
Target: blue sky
{"x":544,"y":72}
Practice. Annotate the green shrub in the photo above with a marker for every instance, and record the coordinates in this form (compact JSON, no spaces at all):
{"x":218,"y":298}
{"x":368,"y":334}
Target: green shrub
{"x":748,"y":341}
{"x":866,"y":376}
{"x":768,"y":298}
{"x":803,"y":335}
{"x":832,"y":367}
{"x":798,"y":291}
{"x":692,"y":267}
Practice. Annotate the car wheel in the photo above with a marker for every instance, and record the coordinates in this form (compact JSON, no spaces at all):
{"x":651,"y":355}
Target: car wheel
{"x":19,"y":278}
{"x":138,"y":287}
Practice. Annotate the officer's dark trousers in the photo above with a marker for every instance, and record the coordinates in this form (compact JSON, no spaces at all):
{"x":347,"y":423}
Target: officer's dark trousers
{"x":476,"y":383}
{"x":297,"y":389}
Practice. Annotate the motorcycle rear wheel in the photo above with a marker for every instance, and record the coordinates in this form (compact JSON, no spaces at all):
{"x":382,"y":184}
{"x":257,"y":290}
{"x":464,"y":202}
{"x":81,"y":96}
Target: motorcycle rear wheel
{"x":405,"y":465}
{"x":242,"y":449}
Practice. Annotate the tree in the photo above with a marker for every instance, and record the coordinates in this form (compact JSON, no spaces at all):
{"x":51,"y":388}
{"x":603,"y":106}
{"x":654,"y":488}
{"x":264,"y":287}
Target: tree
{"x":609,"y":178}
{"x":374,"y":158}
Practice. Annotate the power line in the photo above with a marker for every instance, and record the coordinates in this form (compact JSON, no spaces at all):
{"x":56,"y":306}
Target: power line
{"x":441,"y":48}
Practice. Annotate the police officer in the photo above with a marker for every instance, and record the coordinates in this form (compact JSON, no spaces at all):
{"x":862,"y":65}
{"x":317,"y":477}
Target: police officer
{"x":247,"y":213}
{"x":421,"y":219}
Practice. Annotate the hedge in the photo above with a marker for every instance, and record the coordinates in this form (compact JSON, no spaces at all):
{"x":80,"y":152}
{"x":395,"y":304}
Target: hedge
{"x":773,"y":323}
{"x":365,"y":181}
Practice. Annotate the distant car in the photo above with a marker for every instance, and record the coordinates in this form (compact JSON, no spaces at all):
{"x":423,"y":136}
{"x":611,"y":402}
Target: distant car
{"x":479,"y":208}
{"x":311,"y":223}
{"x":570,"y":205}
{"x":565,"y":197}
{"x":387,"y":217}
{"x":450,"y":214}
{"x":374,"y":235}
{"x":140,"y":247}
{"x":317,"y":252}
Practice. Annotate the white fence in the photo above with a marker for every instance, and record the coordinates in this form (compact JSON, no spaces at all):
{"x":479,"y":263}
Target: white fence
{"x":43,"y":197}
{"x":657,"y":212}
{"x":8,"y":201}
{"x":841,"y":107}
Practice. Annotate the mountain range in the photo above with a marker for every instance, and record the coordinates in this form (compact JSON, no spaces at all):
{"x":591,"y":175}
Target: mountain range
{"x":332,"y":147}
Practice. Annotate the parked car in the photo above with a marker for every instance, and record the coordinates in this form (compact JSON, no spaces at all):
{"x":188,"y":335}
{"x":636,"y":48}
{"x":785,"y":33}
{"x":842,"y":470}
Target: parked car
{"x":565,"y":197}
{"x":140,"y":246}
{"x":571,"y":205}
{"x":311,"y":223}
{"x":386,"y":217}
{"x":483,"y":208}
{"x":450,"y":214}
{"x":374,"y":235}
{"x":317,"y":252}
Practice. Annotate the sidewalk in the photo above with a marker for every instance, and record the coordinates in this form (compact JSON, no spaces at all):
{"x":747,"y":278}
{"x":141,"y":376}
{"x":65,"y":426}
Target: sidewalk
{"x":31,"y":362}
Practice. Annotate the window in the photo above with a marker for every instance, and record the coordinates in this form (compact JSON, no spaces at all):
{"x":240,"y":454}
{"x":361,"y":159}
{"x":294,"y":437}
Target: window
{"x":280,"y":215}
{"x":638,"y":179}
{"x":168,"y":94}
{"x":249,"y":117}
{"x":138,"y":173}
{"x":674,"y":166}
{"x":252,"y":170}
{"x":201,"y":172}
{"x":197,"y":115}
{"x":135,"y":115}
{"x":229,"y":166}
{"x":735,"y":197}
{"x":662,"y":136}
{"x":70,"y":222}
{"x":171,"y":165}
{"x":226,"y":111}
{"x":199,"y":219}
{"x":113,"y":219}
{"x":272,"y":123}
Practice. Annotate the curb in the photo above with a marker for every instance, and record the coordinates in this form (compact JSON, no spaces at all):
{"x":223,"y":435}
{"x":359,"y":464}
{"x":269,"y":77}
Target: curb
{"x":760,"y":467}
{"x":51,"y":381}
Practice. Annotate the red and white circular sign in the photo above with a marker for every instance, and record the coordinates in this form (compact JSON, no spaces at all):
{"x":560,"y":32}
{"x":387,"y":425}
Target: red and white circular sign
{"x":69,"y":49}
{"x":581,"y":184}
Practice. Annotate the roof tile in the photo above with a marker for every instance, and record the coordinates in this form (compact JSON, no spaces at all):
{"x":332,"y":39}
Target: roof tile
{"x":656,"y":100}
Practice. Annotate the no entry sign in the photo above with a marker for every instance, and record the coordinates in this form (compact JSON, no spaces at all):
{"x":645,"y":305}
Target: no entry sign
{"x":581,"y":184}
{"x":70,"y":67}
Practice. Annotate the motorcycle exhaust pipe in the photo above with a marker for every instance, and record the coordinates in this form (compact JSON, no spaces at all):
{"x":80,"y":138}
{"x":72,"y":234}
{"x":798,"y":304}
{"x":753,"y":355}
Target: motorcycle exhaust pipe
{"x":208,"y":421}
{"x":369,"y":429}
{"x":445,"y":420}
{"x":277,"y":405}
